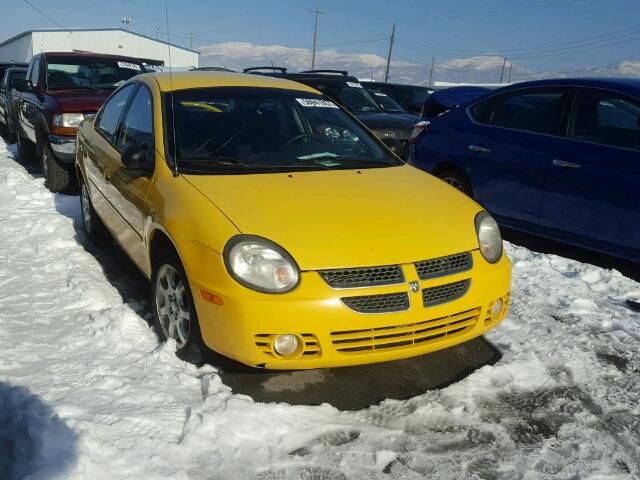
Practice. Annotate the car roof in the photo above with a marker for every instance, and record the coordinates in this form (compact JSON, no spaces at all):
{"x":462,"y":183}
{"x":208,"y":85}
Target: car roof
{"x":170,"y":81}
{"x":305,"y":76}
{"x":625,"y":85}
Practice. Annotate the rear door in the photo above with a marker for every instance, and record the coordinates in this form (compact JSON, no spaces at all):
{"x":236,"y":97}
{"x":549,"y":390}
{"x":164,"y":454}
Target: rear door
{"x":594,"y":180}
{"x":509,"y":148}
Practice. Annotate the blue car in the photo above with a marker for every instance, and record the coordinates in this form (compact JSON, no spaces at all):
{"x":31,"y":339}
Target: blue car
{"x":554,"y":158}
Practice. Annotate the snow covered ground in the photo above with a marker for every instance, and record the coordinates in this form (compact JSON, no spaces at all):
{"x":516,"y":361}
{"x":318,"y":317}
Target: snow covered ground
{"x":87,"y":392}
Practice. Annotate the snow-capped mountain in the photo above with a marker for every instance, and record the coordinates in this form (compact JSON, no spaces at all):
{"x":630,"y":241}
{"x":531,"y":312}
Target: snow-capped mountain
{"x":369,"y":66}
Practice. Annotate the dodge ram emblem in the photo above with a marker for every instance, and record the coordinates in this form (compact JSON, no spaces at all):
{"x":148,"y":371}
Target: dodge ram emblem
{"x":414,"y":286}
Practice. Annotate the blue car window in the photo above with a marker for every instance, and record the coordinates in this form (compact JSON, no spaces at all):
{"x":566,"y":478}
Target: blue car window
{"x":606,"y":118}
{"x":538,"y":111}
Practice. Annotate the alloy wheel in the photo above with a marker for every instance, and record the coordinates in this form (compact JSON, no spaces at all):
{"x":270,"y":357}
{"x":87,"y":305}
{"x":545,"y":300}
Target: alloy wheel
{"x":172,"y":305}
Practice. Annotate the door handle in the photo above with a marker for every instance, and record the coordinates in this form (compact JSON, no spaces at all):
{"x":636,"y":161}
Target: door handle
{"x":479,"y":149}
{"x":562,"y":163}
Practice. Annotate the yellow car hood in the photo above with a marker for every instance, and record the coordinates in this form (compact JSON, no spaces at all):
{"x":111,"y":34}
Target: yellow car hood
{"x":348,"y":218}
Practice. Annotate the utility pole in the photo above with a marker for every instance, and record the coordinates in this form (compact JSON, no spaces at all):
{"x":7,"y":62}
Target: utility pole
{"x":504,"y":64}
{"x":315,"y":36}
{"x":391,"y":40}
{"x":191,"y":40}
{"x":510,"y":67}
{"x":433,"y":61}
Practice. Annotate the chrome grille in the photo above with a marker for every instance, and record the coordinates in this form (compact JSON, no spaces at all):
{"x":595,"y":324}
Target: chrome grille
{"x":389,"y":302}
{"x":437,"y":267}
{"x":405,"y":335}
{"x":444,"y":293}
{"x":363,"y":277}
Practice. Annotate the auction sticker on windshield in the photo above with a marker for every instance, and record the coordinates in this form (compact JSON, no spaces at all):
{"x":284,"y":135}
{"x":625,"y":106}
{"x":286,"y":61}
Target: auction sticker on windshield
{"x":316,"y":102}
{"x":354,"y":84}
{"x":130,"y":66}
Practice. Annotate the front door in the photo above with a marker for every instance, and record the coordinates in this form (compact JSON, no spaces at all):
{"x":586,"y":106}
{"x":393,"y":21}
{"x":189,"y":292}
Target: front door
{"x":509,"y":147}
{"x":129,"y":187}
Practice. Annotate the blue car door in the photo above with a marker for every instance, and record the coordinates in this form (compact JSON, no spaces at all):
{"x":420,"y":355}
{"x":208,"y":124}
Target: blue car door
{"x":508,"y":148}
{"x":593,"y":185}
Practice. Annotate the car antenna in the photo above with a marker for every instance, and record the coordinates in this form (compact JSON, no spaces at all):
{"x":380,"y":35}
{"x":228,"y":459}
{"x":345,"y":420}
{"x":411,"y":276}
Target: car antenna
{"x":173,"y":112}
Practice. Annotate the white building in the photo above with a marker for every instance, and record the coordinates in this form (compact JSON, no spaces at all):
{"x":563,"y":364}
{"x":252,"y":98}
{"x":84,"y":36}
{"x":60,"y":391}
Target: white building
{"x":114,"y":41}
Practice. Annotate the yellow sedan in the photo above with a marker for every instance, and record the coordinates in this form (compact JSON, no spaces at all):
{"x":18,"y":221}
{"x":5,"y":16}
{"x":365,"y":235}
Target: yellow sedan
{"x":277,"y":230}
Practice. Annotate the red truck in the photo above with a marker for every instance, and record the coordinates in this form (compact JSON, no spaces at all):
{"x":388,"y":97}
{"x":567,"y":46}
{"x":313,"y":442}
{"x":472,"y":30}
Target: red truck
{"x":59,"y":91}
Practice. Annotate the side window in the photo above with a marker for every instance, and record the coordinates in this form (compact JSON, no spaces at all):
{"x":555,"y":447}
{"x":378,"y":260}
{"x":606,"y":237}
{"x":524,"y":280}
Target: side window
{"x":607,"y":118}
{"x":538,"y":111}
{"x":137,"y":126}
{"x":109,"y":116}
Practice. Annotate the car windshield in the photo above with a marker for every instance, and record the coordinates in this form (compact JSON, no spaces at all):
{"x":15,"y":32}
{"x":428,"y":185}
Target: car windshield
{"x":351,"y":94}
{"x":387,"y":103}
{"x":89,"y":73}
{"x":236,"y":129}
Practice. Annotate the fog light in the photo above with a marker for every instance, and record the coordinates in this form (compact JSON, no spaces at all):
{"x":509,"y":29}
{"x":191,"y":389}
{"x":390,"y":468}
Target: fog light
{"x":286,"y":344}
{"x":496,"y":309}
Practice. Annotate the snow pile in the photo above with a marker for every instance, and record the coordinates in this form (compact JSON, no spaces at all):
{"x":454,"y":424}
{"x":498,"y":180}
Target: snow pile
{"x":86,"y":391}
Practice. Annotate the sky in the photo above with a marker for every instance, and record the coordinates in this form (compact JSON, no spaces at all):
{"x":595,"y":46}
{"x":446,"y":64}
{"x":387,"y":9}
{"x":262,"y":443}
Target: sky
{"x":536,"y":35}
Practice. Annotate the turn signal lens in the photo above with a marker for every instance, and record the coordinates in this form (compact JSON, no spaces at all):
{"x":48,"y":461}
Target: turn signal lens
{"x":496,"y":309}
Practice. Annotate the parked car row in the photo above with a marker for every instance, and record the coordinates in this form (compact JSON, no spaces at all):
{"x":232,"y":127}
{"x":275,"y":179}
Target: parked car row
{"x":276,"y":229}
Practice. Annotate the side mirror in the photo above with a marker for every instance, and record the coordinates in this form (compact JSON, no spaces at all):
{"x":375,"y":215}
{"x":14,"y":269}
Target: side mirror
{"x":135,"y":157}
{"x":23,"y":85}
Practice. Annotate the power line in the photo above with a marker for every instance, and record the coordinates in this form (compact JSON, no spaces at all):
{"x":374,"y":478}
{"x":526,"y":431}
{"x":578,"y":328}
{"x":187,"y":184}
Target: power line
{"x":42,"y":13}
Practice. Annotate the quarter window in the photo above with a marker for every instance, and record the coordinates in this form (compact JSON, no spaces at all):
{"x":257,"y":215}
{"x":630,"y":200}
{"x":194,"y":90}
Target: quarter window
{"x":137,"y":126}
{"x":538,"y":111}
{"x":607,"y":118}
{"x":112,"y":110}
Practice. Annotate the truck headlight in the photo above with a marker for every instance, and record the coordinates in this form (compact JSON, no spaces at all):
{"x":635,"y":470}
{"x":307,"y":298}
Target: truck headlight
{"x":489,"y":238}
{"x":260,"y":264}
{"x":67,"y":120}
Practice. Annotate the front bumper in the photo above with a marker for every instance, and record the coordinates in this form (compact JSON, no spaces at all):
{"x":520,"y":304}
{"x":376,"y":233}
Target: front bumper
{"x":64,"y":148}
{"x":245,"y":325}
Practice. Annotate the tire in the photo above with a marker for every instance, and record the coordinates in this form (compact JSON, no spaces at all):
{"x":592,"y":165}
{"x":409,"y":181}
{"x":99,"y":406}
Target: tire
{"x":58,"y":177}
{"x":26,"y":149}
{"x":93,"y":227}
{"x":457,"y":179}
{"x":171,"y":296}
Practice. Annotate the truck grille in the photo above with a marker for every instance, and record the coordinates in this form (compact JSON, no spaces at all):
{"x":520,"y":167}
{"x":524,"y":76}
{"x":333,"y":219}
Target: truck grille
{"x":363,"y":277}
{"x":389,"y":302}
{"x":444,"y":293}
{"x":405,"y":335}
{"x":437,"y":267}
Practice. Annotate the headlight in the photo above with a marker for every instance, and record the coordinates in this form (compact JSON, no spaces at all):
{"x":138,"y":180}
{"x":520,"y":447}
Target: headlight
{"x":489,"y":237}
{"x":68,"y":120}
{"x":260,"y":264}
